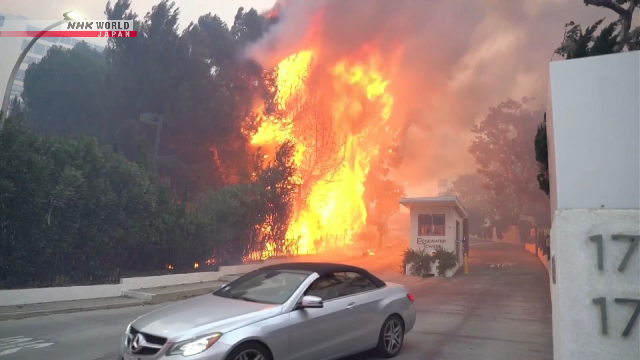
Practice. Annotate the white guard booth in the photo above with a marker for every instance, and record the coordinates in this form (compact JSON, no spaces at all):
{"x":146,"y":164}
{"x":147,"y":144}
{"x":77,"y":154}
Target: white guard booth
{"x":437,"y":223}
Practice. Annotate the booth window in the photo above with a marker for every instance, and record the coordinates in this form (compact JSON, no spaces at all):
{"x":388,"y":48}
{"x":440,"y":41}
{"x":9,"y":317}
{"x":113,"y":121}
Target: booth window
{"x":431,"y":224}
{"x":424,"y":224}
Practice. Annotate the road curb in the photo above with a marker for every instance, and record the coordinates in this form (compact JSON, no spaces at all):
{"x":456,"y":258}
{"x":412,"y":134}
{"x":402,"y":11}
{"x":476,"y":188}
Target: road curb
{"x":154,"y":300}
{"x":36,"y":313}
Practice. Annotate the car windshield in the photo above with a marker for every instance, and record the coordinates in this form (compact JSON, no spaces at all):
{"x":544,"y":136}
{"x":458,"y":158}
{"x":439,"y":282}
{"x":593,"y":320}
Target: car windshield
{"x":269,"y":286}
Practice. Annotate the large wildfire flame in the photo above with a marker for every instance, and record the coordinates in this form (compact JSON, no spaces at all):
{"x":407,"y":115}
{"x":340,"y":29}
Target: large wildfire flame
{"x":338,"y":117}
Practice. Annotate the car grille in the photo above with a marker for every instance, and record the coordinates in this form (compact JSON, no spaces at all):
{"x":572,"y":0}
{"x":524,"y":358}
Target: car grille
{"x":151,"y":339}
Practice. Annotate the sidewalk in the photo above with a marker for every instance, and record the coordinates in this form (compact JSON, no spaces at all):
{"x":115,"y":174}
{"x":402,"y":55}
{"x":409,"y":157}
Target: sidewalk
{"x":137,"y":297}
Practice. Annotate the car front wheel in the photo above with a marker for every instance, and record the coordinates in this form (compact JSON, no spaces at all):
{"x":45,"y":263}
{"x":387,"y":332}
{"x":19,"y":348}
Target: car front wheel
{"x":249,"y":351}
{"x":391,"y":337}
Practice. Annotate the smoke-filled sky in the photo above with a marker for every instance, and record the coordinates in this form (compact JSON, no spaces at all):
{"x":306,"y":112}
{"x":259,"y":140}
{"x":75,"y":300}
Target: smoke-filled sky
{"x":94,"y":9}
{"x":460,"y":57}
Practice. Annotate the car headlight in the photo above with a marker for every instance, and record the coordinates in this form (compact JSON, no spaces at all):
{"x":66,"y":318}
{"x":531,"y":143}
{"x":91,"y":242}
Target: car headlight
{"x":127,"y":334}
{"x":193,"y":347}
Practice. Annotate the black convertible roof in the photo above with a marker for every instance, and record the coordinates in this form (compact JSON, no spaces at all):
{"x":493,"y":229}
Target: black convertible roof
{"x":323,"y":268}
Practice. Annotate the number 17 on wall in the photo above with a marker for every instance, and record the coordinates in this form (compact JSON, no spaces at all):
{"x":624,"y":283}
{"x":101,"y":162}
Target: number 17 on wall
{"x":601,"y":302}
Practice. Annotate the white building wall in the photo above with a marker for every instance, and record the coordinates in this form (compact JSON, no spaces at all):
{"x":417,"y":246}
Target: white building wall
{"x":459,"y":247}
{"x":9,"y":47}
{"x":12,"y":47}
{"x":593,"y":127}
{"x":594,"y":131}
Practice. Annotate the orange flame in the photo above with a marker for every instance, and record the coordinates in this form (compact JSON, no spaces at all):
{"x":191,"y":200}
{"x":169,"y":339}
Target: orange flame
{"x":337,"y":116}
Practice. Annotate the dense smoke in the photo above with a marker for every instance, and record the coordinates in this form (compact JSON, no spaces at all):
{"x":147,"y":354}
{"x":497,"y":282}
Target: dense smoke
{"x":459,"y":58}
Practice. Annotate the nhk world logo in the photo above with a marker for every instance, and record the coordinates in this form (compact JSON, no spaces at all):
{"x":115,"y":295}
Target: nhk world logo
{"x":78,"y":29}
{"x":99,"y":28}
{"x":122,"y":25}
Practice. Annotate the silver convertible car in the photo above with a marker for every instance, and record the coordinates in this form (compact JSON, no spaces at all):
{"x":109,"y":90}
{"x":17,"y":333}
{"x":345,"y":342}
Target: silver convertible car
{"x":294,"y":311}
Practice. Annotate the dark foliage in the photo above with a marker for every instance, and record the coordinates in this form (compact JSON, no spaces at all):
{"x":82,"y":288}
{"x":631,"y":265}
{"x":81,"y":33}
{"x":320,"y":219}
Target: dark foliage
{"x":419,"y":262}
{"x":446,"y":260}
{"x":579,"y":44}
{"x":61,"y":196}
{"x":542,"y":156}
{"x":70,"y":201}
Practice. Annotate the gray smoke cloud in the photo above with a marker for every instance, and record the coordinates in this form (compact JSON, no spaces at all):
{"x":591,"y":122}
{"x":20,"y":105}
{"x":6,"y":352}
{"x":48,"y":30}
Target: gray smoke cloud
{"x":460,"y":58}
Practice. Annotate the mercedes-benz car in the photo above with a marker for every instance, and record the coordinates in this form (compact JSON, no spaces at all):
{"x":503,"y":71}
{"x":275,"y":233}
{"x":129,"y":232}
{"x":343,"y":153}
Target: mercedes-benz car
{"x":293,"y":311}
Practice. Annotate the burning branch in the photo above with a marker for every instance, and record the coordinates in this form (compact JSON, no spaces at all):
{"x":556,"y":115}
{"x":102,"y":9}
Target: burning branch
{"x":324,"y":149}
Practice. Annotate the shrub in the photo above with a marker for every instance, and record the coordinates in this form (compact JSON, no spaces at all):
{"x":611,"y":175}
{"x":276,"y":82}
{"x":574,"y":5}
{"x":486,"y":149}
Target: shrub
{"x":59,"y":194}
{"x":446,"y":260}
{"x":418,"y":260}
{"x":65,"y":195}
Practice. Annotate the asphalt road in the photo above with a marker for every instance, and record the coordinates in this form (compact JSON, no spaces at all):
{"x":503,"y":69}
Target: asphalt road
{"x":501,"y":310}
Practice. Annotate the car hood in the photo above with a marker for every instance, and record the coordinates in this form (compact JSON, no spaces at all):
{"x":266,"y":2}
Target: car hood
{"x":202,"y":315}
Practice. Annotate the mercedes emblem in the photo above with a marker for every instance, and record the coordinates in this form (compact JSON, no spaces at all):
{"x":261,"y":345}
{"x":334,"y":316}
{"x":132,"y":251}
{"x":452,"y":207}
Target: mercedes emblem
{"x":137,"y":343}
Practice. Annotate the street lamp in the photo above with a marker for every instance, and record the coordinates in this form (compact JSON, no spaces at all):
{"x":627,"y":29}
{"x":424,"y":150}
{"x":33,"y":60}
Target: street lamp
{"x":69,"y":15}
{"x":73,"y":16}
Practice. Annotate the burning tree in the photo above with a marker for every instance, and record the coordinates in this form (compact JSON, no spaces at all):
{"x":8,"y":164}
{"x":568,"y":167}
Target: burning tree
{"x":250,"y":219}
{"x":382,"y":197}
{"x":336,"y":115}
{"x":277,"y":181}
{"x":326,"y":149}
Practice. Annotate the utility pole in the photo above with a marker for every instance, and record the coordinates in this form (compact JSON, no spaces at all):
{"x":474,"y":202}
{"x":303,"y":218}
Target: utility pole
{"x":154,"y":119}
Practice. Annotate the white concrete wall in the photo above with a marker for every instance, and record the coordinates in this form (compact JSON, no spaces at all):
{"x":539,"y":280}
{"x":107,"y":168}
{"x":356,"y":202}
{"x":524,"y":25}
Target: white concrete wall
{"x":593,"y":132}
{"x":448,"y":273}
{"x":43,"y":295}
{"x":577,"y":332}
{"x":593,"y":127}
{"x":168,"y":280}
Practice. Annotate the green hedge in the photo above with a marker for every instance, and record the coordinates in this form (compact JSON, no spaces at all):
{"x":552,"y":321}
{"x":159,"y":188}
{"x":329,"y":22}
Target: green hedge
{"x":61,"y":195}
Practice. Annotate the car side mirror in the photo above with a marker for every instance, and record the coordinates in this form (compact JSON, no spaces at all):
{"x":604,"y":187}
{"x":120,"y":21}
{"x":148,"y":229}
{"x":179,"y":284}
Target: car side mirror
{"x":311,"y":302}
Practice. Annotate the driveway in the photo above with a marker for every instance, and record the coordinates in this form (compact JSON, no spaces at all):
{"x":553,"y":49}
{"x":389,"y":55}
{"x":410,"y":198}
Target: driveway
{"x":500,"y":311}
